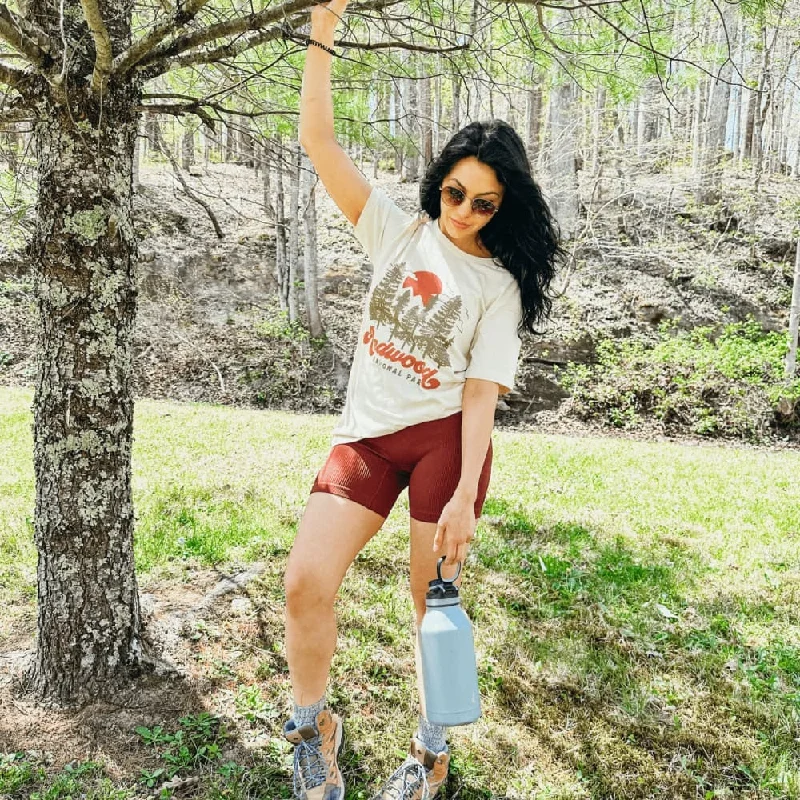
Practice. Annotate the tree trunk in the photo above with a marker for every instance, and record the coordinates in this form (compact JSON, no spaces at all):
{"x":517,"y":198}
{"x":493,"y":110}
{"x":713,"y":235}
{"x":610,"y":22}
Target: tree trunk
{"x":281,"y":271}
{"x":739,"y":97}
{"x":709,"y":175}
{"x":437,"y":111}
{"x":153,"y":128}
{"x":187,"y":147}
{"x":426,"y":121}
{"x":396,"y":102}
{"x":794,"y":318}
{"x":534,"y":116}
{"x":248,"y":144}
{"x":546,"y":135}
{"x":563,"y":158}
{"x":760,"y":104}
{"x":137,"y":152}
{"x":84,"y":250}
{"x":456,"y":84}
{"x":597,"y":128}
{"x":206,"y":143}
{"x":749,"y":99}
{"x":647,"y":122}
{"x":698,"y":115}
{"x":310,"y":250}
{"x":410,"y":169}
{"x":295,"y":153}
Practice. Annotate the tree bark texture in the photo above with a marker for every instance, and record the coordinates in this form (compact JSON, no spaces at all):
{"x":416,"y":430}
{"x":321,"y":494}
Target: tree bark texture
{"x":84,"y":250}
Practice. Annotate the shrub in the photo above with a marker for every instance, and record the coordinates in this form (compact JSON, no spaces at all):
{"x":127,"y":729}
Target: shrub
{"x":709,"y":381}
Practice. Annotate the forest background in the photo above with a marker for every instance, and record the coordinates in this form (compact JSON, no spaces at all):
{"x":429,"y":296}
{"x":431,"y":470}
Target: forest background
{"x":665,"y":137}
{"x":164,"y":237}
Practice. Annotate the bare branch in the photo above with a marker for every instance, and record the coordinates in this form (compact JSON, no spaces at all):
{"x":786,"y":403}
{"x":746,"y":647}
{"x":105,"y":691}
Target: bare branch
{"x":23,"y":36}
{"x":280,"y":32}
{"x":162,"y":146}
{"x":421,"y":48}
{"x":543,"y":28}
{"x":163,"y":56}
{"x":195,"y":105}
{"x":230,"y":27}
{"x":216,"y":55}
{"x":181,"y":109}
{"x":649,"y":48}
{"x":139,"y":49}
{"x":102,"y":44}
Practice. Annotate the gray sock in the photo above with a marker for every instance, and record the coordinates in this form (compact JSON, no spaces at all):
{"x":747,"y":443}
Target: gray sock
{"x":432,"y":736}
{"x":307,"y":715}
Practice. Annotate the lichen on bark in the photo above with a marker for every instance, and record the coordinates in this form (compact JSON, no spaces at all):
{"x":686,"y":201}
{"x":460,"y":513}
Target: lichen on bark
{"x":84,"y":252}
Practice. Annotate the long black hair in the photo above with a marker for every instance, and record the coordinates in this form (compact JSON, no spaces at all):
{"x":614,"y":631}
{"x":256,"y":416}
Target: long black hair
{"x":522,"y":235}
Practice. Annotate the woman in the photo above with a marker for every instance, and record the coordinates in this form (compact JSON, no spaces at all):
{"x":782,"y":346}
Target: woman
{"x":453,"y":286}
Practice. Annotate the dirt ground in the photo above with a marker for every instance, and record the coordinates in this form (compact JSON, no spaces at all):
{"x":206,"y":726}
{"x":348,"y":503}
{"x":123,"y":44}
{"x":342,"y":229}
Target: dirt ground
{"x":206,"y":630}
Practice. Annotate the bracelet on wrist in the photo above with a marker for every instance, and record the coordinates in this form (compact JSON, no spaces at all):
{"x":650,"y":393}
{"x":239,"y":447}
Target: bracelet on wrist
{"x":323,"y":46}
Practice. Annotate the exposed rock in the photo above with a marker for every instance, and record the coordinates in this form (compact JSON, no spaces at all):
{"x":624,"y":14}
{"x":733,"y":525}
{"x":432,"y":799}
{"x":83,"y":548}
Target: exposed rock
{"x":561,"y":351}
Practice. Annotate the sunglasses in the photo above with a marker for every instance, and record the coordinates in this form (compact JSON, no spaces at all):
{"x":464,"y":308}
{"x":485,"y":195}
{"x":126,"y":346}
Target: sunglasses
{"x":455,"y":197}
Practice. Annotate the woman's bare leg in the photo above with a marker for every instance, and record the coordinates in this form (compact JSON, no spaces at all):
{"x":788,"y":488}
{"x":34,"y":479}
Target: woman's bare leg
{"x":331,"y":533}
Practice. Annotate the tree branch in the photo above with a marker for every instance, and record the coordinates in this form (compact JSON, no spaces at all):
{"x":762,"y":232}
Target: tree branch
{"x":23,"y":36}
{"x":162,"y":146}
{"x":209,"y":56}
{"x":231,"y":27}
{"x":163,"y":56}
{"x":195,"y":105}
{"x":102,"y":44}
{"x":648,"y":48}
{"x":139,"y":49}
{"x":234,"y":48}
{"x":179,"y":109}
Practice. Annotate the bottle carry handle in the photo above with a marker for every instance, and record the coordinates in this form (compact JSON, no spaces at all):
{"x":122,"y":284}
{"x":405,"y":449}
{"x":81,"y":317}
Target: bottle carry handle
{"x":439,"y":571}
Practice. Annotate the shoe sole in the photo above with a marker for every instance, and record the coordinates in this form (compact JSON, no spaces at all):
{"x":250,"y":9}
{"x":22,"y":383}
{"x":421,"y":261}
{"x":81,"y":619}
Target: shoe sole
{"x":339,"y":748}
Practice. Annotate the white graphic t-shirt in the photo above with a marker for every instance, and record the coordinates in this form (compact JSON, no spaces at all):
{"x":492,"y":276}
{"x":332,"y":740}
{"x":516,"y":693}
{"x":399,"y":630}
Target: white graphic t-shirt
{"x":434,"y":316}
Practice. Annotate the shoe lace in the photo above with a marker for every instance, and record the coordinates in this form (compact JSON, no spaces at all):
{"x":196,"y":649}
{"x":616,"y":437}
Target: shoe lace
{"x":310,"y":769}
{"x":406,"y":779}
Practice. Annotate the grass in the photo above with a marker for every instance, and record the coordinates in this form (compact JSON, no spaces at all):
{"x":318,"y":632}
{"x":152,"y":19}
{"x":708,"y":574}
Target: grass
{"x":636,"y":608}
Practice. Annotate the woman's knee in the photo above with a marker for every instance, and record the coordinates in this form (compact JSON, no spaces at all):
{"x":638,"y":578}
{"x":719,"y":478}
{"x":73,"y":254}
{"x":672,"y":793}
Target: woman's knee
{"x":306,"y":589}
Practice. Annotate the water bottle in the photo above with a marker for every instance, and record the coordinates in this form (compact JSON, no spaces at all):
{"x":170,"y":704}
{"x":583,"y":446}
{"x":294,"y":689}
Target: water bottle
{"x":447,"y":652}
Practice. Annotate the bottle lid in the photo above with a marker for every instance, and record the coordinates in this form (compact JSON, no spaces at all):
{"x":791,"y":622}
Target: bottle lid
{"x":441,"y":588}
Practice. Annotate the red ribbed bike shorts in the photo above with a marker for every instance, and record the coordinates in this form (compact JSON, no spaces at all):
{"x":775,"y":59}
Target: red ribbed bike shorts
{"x":425,"y":457}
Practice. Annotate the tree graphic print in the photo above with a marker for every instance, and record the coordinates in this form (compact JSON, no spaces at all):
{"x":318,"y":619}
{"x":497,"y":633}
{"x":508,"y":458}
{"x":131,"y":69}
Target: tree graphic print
{"x":435,"y":337}
{"x":427,"y":329}
{"x":408,"y":327}
{"x":382,"y":301}
{"x":397,"y":316}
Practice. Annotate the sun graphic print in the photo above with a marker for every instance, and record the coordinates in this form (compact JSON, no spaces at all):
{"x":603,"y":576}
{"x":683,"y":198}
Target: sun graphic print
{"x":424,"y":285}
{"x":420,"y":319}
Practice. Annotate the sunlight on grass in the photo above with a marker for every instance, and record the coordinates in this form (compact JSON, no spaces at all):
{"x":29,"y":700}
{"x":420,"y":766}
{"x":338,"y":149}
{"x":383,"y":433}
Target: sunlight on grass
{"x":636,"y":605}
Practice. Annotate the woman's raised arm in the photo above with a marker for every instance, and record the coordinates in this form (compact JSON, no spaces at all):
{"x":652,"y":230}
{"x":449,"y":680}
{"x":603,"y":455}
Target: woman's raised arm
{"x":340,"y":176}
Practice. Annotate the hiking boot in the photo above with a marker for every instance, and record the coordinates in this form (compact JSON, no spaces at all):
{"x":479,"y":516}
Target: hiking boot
{"x":316,"y":755}
{"x":419,"y":777}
